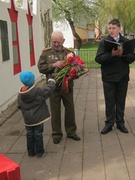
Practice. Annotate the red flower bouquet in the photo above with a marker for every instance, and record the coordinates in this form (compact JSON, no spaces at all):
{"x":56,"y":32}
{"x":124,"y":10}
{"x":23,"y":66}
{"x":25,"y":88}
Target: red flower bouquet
{"x":73,"y":68}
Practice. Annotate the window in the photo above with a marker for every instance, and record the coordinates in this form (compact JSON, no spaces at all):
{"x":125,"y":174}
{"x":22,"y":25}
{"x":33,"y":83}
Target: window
{"x":4,"y":40}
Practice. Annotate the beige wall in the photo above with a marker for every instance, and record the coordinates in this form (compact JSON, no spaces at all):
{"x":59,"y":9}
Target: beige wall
{"x":90,"y":27}
{"x":85,"y":34}
{"x":82,"y":33}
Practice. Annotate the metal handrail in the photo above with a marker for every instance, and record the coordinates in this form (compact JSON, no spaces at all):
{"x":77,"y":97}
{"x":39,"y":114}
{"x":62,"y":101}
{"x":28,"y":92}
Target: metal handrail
{"x":89,"y":58}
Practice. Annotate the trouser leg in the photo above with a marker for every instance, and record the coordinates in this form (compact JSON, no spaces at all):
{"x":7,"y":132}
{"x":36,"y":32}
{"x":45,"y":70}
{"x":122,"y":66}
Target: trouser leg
{"x":38,"y":133}
{"x":30,"y":140}
{"x":55,"y":104}
{"x":121,"y":92}
{"x":68,"y":101}
{"x":109,"y":94}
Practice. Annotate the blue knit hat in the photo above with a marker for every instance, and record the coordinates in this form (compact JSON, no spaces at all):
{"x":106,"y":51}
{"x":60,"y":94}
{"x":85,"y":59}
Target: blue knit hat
{"x":27,"y":78}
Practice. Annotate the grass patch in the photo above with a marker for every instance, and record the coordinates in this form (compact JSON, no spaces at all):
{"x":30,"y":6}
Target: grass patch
{"x":91,"y":46}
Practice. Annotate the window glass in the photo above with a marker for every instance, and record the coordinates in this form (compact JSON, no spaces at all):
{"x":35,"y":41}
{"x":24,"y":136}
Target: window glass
{"x":4,"y":40}
{"x":15,"y":55}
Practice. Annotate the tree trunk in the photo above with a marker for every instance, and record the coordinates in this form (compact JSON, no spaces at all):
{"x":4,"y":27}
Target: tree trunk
{"x":78,"y":39}
{"x":71,"y":23}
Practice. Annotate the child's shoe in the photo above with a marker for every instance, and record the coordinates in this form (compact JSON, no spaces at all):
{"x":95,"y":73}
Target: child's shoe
{"x":40,"y":155}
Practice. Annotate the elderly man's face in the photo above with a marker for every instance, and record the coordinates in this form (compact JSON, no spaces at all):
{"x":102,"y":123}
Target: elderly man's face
{"x":57,"y":42}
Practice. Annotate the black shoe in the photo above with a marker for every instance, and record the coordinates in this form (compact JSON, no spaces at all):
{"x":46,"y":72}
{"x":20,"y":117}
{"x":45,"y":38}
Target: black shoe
{"x":31,"y":155}
{"x":122,"y":128}
{"x":56,"y":140}
{"x":106,"y":129}
{"x":74,"y":137}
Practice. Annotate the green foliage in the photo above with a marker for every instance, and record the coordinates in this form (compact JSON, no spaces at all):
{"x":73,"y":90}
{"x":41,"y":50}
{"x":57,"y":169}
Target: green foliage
{"x":93,"y":11}
{"x":120,"y":9}
{"x":61,"y":9}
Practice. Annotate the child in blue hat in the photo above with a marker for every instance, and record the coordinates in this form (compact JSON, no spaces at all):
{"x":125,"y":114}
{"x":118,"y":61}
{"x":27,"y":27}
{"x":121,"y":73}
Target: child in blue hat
{"x":31,"y":102}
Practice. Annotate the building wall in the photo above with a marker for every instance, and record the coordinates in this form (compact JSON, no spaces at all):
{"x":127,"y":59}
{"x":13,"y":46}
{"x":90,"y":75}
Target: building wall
{"x":87,"y":35}
{"x":9,"y":82}
{"x":82,"y":33}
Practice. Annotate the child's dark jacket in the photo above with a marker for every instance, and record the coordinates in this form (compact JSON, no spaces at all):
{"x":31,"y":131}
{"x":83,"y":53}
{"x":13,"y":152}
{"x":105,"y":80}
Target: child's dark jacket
{"x":33,"y":105}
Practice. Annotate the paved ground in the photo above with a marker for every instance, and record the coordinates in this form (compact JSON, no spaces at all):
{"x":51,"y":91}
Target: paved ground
{"x":95,"y":157}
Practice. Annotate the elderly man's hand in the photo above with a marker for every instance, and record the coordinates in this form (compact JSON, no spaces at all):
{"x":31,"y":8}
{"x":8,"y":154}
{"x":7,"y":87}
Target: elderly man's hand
{"x":58,"y":64}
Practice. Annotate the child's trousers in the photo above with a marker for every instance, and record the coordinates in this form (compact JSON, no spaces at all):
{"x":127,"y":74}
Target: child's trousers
{"x":34,"y":137}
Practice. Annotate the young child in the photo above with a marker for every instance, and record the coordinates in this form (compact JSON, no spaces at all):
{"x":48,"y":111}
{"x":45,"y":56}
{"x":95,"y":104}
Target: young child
{"x":31,"y":102}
